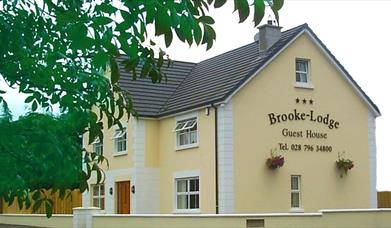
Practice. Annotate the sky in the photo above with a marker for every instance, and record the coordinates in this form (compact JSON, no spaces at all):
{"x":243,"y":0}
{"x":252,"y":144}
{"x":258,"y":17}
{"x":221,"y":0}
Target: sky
{"x":358,"y":33}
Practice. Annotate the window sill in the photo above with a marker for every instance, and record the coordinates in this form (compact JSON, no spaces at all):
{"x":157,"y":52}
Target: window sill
{"x":304,"y":85}
{"x":185,"y":147}
{"x":121,"y":153}
{"x":297,"y":210}
{"x":187,"y":211}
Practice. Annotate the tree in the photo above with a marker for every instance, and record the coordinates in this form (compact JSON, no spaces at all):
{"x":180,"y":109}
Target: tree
{"x":58,"y":52}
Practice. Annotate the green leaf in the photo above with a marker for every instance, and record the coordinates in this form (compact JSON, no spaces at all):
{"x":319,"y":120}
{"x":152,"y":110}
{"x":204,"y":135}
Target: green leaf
{"x":162,"y":22}
{"x":107,"y":8}
{"x":77,"y":30}
{"x":37,"y":205}
{"x":197,"y":34}
{"x":36,"y":195}
{"x":29,"y":99}
{"x":150,"y":12}
{"x":277,"y":4}
{"x":129,"y":18}
{"x":28,"y":202}
{"x":20,"y":202}
{"x":206,"y":19}
{"x":209,"y":36}
{"x":146,"y":68}
{"x":34,"y":106}
{"x":100,"y":59}
{"x":114,"y":70}
{"x":102,"y":20}
{"x":154,"y":76}
{"x":259,"y":11}
{"x":219,"y":3}
{"x":276,"y":15}
{"x":243,"y":9}
{"x":168,"y":38}
{"x":49,"y":207}
{"x":186,"y":30}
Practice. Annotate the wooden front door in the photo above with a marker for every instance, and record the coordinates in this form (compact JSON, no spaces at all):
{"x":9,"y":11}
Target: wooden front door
{"x":123,"y":197}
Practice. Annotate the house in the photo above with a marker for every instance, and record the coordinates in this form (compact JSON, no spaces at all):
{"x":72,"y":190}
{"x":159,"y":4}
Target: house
{"x":203,"y":137}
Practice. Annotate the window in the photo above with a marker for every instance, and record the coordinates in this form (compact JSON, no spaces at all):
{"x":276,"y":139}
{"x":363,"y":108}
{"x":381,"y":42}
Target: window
{"x":98,"y":195}
{"x":302,"y":72}
{"x":295,"y":191}
{"x":186,"y":131}
{"x":97,"y":146}
{"x":187,"y":193}
{"x":120,"y":140}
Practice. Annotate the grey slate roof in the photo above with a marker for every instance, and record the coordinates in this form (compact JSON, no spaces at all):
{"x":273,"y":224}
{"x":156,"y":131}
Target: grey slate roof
{"x":193,"y":85}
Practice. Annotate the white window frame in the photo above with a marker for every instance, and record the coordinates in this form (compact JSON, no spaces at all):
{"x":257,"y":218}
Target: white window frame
{"x":100,"y":196}
{"x":296,"y":191}
{"x":96,"y":144}
{"x":118,"y":137}
{"x":185,"y":123}
{"x":300,"y":84}
{"x":186,"y":175}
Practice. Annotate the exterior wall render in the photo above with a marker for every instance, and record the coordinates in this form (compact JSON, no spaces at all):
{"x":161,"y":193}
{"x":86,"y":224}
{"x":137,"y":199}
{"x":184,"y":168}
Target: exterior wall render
{"x":273,"y":91}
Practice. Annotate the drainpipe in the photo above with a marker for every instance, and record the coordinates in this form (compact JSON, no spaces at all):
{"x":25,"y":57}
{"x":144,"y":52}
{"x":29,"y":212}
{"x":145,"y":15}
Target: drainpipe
{"x":216,"y":162}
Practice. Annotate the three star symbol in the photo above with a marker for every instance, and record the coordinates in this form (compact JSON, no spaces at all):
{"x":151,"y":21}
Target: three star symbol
{"x":304,"y":101}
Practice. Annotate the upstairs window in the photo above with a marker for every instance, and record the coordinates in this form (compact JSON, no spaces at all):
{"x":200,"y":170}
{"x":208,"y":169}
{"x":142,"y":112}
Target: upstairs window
{"x":302,"y":72}
{"x":186,"y":132}
{"x":97,"y":146}
{"x":120,"y":138}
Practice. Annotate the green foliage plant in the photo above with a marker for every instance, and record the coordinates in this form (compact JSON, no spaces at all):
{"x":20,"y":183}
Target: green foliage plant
{"x":65,"y":53}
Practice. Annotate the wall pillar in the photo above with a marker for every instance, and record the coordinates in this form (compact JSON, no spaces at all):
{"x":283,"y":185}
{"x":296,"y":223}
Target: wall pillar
{"x":82,"y":216}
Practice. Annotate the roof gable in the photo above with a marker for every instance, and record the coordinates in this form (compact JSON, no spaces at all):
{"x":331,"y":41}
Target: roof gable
{"x":216,"y":80}
{"x":308,"y":31}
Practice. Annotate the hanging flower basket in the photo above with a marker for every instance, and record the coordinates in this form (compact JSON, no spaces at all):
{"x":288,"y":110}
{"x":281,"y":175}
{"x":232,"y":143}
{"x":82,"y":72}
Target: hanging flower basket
{"x":275,"y":161}
{"x":344,"y":164}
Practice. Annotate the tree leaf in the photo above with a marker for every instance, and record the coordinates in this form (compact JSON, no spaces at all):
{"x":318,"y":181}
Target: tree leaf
{"x":186,"y":30}
{"x":162,"y":22}
{"x":114,"y":70}
{"x":29,"y":99}
{"x":277,"y":4}
{"x":219,"y":3}
{"x":259,"y":11}
{"x":243,"y":9}
{"x":100,"y":59}
{"x":102,"y":20}
{"x":34,"y":106}
{"x":197,"y":34}
{"x":107,"y":8}
{"x":49,"y":207}
{"x":168,"y":38}
{"x":206,"y":19}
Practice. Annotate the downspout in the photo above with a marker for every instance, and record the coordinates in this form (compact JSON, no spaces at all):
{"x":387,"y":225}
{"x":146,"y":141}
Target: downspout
{"x":216,"y":162}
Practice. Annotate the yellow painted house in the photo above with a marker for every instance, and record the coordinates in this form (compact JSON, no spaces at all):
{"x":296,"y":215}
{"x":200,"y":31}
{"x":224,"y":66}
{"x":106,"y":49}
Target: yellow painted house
{"x":203,"y":138}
